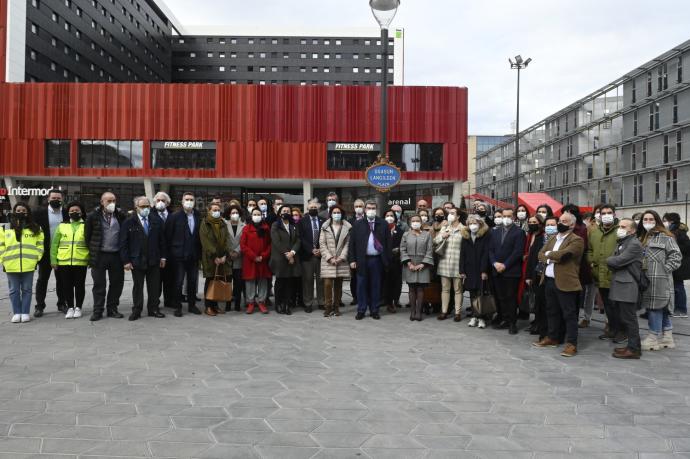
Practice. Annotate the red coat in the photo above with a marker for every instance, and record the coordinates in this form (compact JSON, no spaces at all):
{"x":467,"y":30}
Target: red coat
{"x":253,"y":246}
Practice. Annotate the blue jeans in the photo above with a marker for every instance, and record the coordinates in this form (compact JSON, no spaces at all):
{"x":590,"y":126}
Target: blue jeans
{"x":659,"y":320}
{"x":21,"y":288}
{"x":681,"y":298}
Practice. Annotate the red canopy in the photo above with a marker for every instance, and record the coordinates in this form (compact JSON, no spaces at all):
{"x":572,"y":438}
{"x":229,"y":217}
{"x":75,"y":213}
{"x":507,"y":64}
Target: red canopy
{"x":534,"y":200}
{"x":494,"y":202}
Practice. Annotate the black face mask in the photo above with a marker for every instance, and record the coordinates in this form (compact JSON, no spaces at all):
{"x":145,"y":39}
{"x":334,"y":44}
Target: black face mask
{"x":285,"y":216}
{"x":75,"y":216}
{"x":20,"y":217}
{"x":56,"y":204}
{"x":439,"y":218}
{"x":563,"y":228}
{"x":313,"y":212}
{"x":481,"y":213}
{"x":533,"y":227}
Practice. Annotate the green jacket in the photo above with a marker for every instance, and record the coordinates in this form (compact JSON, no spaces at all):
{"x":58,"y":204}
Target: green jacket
{"x":210,"y":250}
{"x":601,"y":243}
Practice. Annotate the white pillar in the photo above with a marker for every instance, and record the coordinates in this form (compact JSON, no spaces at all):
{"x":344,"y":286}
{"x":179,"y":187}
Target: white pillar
{"x":9,"y":184}
{"x":307,"y":190}
{"x":148,"y":189}
{"x":457,"y":193}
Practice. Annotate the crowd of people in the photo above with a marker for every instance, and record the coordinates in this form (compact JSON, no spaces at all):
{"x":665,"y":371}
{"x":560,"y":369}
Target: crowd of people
{"x":512,"y":263}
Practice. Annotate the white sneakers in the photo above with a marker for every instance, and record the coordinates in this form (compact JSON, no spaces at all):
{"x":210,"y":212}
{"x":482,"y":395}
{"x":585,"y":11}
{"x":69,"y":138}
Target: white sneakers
{"x":73,"y":313}
{"x":473,"y":322}
{"x":16,"y":318}
{"x":481,"y":324}
{"x":667,"y":340}
{"x":26,"y":318}
{"x":651,"y":343}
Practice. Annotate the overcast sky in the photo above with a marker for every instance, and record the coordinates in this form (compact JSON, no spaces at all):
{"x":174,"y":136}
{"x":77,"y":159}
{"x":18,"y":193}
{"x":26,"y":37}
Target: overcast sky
{"x":577,"y":46}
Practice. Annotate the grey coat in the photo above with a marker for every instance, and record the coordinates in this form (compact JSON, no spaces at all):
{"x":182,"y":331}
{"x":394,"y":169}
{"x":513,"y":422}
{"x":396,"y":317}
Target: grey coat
{"x":330,"y":249}
{"x":417,"y":248}
{"x":234,"y":242}
{"x":281,"y":242}
{"x":625,"y":265}
{"x":662,"y":256}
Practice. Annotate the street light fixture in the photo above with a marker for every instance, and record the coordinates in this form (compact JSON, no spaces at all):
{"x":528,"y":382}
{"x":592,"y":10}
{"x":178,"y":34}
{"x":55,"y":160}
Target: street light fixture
{"x":518,"y":65}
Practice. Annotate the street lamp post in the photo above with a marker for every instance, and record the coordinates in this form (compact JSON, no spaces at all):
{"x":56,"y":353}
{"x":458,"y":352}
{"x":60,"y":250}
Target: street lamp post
{"x":384,"y":12}
{"x":518,"y":65}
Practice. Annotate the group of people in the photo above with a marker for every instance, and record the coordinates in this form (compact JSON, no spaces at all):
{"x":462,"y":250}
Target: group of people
{"x":544,"y":264}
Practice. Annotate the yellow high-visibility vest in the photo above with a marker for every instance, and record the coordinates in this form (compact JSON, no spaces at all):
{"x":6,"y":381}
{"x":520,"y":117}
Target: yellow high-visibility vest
{"x":20,"y":256}
{"x":72,"y":249}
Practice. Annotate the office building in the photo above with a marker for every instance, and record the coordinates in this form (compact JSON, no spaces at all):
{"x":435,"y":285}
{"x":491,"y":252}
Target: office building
{"x":477,"y":145}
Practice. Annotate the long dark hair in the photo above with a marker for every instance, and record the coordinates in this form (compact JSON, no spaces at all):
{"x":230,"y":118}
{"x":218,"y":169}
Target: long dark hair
{"x":28,"y":223}
{"x":658,"y":227}
{"x":260,"y":228}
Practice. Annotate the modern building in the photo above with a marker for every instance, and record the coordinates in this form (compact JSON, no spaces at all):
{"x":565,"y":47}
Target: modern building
{"x":626,"y":143}
{"x":141,"y":41}
{"x":477,"y":145}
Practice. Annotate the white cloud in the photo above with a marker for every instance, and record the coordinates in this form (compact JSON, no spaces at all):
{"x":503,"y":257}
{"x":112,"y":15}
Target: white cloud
{"x":576,"y":46}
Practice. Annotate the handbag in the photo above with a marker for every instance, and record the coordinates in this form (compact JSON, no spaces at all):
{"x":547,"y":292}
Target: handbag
{"x":527,"y":302}
{"x":219,"y":289}
{"x":484,"y":304}
{"x":440,"y":249}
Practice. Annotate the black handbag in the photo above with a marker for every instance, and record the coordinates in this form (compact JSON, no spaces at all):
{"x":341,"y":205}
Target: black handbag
{"x":527,"y":301}
{"x":484,"y":304}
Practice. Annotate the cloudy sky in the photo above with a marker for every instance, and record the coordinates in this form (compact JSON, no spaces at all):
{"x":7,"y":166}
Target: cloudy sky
{"x":577,"y":46}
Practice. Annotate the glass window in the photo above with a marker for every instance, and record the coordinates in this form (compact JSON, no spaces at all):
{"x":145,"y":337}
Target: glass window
{"x":57,"y":153}
{"x":183,"y":155}
{"x":351,"y":156}
{"x":416,"y":157}
{"x":127,"y":154}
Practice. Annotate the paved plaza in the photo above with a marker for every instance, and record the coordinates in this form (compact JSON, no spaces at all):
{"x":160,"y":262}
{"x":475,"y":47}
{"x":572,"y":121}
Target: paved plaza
{"x":302,"y":386}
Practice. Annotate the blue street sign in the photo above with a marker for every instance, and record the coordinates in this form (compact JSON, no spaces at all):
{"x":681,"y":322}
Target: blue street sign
{"x":383,"y":176}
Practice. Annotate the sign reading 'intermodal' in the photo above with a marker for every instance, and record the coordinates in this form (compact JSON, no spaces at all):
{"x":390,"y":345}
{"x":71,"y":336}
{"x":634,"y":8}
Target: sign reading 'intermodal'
{"x":383,"y":175}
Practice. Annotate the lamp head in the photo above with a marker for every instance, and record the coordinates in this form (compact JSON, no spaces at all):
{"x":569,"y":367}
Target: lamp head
{"x":384,"y":11}
{"x":518,"y":59}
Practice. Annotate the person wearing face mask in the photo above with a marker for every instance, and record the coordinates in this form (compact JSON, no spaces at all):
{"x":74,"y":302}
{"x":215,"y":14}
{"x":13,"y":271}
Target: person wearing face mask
{"x":498,"y":219}
{"x":49,"y":218}
{"x":310,"y":257}
{"x":392,"y":277}
{"x":277,"y":204}
{"x":184,"y":251}
{"x":368,"y":254}
{"x":589,"y":293}
{"x":680,"y":232}
{"x":661,"y":257}
{"x":21,"y":247}
{"x":296,"y":215}
{"x":331,"y":200}
{"x":626,"y":264}
{"x":482,"y":210}
{"x":417,"y":258}
{"x":255,"y":245}
{"x":400,"y":217}
{"x":69,"y":257}
{"x":143,"y":252}
{"x":235,"y":228}
{"x":251,"y":205}
{"x":522,"y":215}
{"x":562,"y":256}
{"x":334,"y":242}
{"x":533,"y":272}
{"x":356,"y":216}
{"x":267,"y":212}
{"x":215,"y":253}
{"x":284,"y":262}
{"x":438,"y":221}
{"x":474,"y":262}
{"x":602,"y":241}
{"x":424,"y":218}
{"x":161,"y":211}
{"x":545,"y":211}
{"x":505,"y":256}
{"x":102,"y":233}
{"x":448,"y":242}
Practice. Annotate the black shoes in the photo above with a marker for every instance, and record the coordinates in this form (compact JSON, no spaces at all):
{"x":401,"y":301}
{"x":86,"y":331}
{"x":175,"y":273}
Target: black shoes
{"x":513,"y":329}
{"x":156,"y":314}
{"x":308,"y":309}
{"x":504,"y":325}
{"x":359,"y":316}
{"x":96,"y":316}
{"x":288,"y":310}
{"x":375,"y":316}
{"x":353,"y":302}
{"x":194,"y":310}
{"x":114,"y":314}
{"x":134,"y":316}
{"x":38,"y":313}
{"x":178,"y":313}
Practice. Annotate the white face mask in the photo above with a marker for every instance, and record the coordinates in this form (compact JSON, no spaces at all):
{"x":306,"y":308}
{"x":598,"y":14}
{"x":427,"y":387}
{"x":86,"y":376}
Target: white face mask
{"x":507,"y":221}
{"x":415,"y":225}
{"x":371,"y":214}
{"x":451,"y":218}
{"x":256,"y":218}
{"x":474,"y":227}
{"x":648,"y":226}
{"x":215,"y":214}
{"x":498,"y":221}
{"x":235,"y":217}
{"x":188,"y":204}
{"x":543,"y":214}
{"x":250,"y":208}
{"x":145,"y":212}
{"x":390,"y":220}
{"x":637,"y":222}
{"x":110,"y":208}
{"x":597,"y":217}
{"x":667,"y":225}
{"x":160,"y":205}
{"x":522,"y":215}
{"x":359,"y":210}
{"x":424,"y":218}
{"x":621,"y":233}
{"x":330,"y":203}
{"x":607,"y":219}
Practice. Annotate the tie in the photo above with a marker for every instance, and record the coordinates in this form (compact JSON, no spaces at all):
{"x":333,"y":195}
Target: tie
{"x":503,"y":236}
{"x":190,"y":223}
{"x":164,"y":215}
{"x":315,"y":232}
{"x":377,"y":245}
{"x":146,"y":225}
{"x":108,"y":218}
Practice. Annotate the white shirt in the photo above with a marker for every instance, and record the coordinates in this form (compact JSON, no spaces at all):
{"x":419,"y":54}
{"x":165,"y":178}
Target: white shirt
{"x":54,"y":219}
{"x":549,"y":263}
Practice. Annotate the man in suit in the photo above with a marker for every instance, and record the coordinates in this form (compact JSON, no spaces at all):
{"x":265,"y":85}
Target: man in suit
{"x":331,"y":200}
{"x":184,"y":251}
{"x":368,"y":254}
{"x":505,"y":255}
{"x":267,"y":212}
{"x":143,"y":252}
{"x":48,"y":219}
{"x":310,"y":256}
{"x":357,"y":215}
{"x":162,"y":212}
{"x":562,"y":256}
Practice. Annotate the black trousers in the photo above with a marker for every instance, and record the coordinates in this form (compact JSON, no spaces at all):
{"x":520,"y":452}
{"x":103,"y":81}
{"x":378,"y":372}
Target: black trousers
{"x":392,"y":284}
{"x":285,"y":290}
{"x":561,"y":307}
{"x":189,"y":268}
{"x":506,"y":293}
{"x":103,"y":295}
{"x":44,"y":270}
{"x":613,"y":313}
{"x":540,"y":316}
{"x":71,"y":282}
{"x":237,"y":286}
{"x":353,"y":284}
{"x":167,"y":285}
{"x":152,"y":277}
{"x":628,"y":323}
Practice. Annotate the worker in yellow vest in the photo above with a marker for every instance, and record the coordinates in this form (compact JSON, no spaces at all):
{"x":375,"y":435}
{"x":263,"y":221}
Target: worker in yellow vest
{"x":21,"y":247}
{"x":69,"y":257}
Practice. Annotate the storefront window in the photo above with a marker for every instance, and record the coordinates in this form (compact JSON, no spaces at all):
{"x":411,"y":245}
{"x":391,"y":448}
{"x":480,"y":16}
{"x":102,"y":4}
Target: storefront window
{"x":343,"y":156}
{"x":417,"y":157}
{"x":57,"y":153}
{"x":183,"y":155}
{"x":126,"y":154}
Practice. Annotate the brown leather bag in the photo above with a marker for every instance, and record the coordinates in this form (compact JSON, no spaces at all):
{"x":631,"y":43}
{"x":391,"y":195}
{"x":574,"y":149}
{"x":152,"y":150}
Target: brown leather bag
{"x":219,"y":289}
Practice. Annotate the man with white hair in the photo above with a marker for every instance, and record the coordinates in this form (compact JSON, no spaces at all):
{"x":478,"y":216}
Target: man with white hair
{"x":161,"y":202}
{"x":561,"y":256}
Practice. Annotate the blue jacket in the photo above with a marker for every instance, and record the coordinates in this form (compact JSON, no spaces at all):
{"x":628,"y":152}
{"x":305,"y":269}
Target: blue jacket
{"x":183,"y":245}
{"x":138,"y":248}
{"x":509,"y":253}
{"x":359,"y":238}
{"x":306,"y":236}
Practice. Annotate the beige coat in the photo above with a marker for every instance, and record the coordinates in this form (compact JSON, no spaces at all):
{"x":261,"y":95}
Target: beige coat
{"x":330,"y":249}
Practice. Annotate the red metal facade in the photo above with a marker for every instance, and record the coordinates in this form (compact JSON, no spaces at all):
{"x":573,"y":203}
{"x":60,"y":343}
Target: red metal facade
{"x":3,"y":39}
{"x":261,"y":131}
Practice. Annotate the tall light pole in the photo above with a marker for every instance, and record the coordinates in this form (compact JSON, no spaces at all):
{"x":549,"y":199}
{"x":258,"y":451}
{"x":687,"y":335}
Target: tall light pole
{"x":518,"y":65}
{"x":384,"y":12}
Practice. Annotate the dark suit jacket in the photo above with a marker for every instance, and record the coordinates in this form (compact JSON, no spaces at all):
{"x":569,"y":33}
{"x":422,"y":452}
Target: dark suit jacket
{"x":359,"y":238}
{"x":307,"y":237}
{"x":509,"y":253}
{"x":566,"y":261}
{"x":183,"y":245}
{"x":138,"y":248}
{"x":41,"y":217}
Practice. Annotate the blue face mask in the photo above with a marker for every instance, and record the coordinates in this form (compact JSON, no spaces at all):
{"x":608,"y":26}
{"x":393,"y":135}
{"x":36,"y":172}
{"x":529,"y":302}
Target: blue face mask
{"x":551,"y":230}
{"x":337,"y":217}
